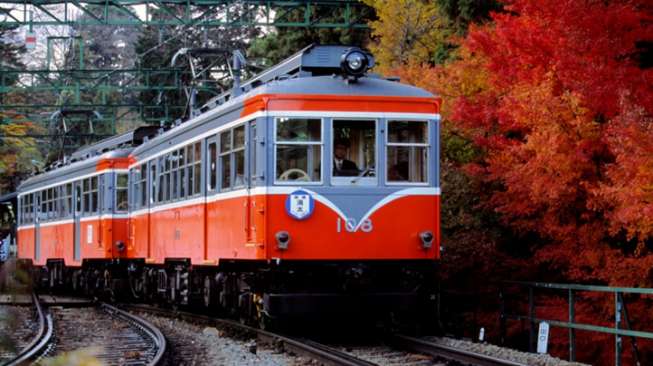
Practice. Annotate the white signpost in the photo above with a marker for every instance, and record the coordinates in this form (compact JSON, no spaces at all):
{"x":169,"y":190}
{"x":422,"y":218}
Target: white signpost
{"x":543,"y":337}
{"x":30,"y":40}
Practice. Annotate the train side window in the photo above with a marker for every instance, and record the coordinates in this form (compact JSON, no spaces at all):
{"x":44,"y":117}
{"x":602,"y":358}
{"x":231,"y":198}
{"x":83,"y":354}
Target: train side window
{"x":189,"y":171}
{"x":142,"y":186}
{"x":298,"y":150}
{"x":48,"y":206}
{"x":122,"y":203}
{"x":239,"y":156}
{"x":407,"y":152}
{"x":252,"y":152}
{"x":197,"y":169}
{"x":44,"y":205}
{"x":69,"y":199}
{"x":174,"y":175}
{"x":182,"y":173}
{"x":160,"y":187}
{"x":94,"y":194}
{"x":225,"y":159}
{"x":86,"y":188}
{"x":167,"y":181}
{"x":134,"y":187}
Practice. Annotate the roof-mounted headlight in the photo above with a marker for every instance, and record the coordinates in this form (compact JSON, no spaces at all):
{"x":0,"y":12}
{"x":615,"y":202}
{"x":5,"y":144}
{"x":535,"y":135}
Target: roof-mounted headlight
{"x":355,"y":62}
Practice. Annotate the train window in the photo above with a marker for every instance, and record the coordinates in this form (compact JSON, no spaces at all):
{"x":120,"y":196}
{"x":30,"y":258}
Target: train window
{"x":298,"y":147}
{"x":69,"y":199}
{"x":197,"y":169}
{"x":174,"y":175}
{"x":142,"y":186}
{"x":239,"y":156}
{"x":122,"y":181}
{"x":189,"y":170}
{"x":354,"y":152}
{"x":212,"y":159}
{"x":407,"y":152}
{"x":86,"y":188}
{"x":161,"y":178}
{"x":182,"y":173}
{"x":44,"y":205}
{"x":232,"y":158}
{"x":166,"y":181}
{"x":135,"y":179}
{"x":94,"y":194}
{"x":225,"y":159}
{"x":48,"y":206}
{"x":252,"y":152}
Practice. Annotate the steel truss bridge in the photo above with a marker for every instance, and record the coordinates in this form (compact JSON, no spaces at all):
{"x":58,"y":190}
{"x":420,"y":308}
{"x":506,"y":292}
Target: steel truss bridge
{"x":112,"y":92}
{"x":204,"y":13}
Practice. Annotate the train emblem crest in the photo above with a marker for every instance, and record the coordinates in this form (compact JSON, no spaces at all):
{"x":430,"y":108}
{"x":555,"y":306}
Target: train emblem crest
{"x":300,"y":205}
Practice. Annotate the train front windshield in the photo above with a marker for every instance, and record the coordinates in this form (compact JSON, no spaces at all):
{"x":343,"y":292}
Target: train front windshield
{"x":346,"y":152}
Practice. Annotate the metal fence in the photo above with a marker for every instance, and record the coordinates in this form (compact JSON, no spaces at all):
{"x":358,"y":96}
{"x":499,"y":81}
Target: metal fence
{"x":622,"y":324}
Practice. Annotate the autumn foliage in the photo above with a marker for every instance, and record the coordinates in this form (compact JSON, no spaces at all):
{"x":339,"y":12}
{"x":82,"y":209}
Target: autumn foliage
{"x":555,"y":100}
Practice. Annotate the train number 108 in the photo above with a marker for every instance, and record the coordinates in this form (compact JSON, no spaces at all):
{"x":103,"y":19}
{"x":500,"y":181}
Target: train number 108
{"x":351,"y":226}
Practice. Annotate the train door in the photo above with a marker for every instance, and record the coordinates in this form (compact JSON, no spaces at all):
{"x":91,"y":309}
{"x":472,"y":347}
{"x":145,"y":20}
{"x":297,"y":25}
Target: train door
{"x":211,"y":185}
{"x":251,"y":183}
{"x":37,"y":228}
{"x":77,"y":213}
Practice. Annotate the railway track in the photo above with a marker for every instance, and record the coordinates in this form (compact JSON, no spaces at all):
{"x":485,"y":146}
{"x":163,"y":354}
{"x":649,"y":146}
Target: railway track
{"x":448,"y":353}
{"x":40,"y":343}
{"x":320,"y":353}
{"x":116,"y":336}
{"x":398,"y":350}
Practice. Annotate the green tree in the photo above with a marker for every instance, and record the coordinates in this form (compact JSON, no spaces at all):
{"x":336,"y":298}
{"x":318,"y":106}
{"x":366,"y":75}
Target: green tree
{"x":156,"y":47}
{"x":10,"y":55}
{"x":282,"y":42}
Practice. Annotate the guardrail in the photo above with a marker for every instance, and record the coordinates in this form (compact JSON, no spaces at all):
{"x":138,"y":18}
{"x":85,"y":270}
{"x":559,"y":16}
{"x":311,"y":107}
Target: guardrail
{"x":622,"y":324}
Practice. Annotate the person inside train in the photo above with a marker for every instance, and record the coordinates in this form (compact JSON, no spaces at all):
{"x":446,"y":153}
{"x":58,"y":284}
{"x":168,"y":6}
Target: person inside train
{"x":342,"y":166}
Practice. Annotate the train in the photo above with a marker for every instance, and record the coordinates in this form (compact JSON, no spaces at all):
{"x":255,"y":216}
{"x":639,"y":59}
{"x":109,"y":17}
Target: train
{"x":312,"y":187}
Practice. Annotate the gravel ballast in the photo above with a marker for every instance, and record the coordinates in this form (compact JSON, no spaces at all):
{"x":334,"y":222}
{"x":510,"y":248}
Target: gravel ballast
{"x":504,"y":353}
{"x":194,"y":345}
{"x":18,"y":326}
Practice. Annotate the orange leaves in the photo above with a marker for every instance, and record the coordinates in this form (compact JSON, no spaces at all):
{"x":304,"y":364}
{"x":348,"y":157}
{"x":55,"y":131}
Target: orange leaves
{"x":541,"y":92}
{"x":627,"y":193}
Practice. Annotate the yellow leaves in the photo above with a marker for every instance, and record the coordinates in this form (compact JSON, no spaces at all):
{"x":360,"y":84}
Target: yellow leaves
{"x":406,"y":30}
{"x":17,"y":150}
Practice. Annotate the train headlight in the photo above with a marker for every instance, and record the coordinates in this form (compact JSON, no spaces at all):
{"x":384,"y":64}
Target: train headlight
{"x":355,"y":62}
{"x":427,"y":239}
{"x":283,"y":239}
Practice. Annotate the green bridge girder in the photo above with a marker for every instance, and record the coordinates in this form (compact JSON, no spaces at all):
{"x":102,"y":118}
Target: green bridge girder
{"x":201,"y":13}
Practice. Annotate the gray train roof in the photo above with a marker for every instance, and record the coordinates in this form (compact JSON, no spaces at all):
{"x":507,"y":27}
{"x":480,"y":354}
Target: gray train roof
{"x":71,"y":170}
{"x":330,"y":85}
{"x":319,"y":85}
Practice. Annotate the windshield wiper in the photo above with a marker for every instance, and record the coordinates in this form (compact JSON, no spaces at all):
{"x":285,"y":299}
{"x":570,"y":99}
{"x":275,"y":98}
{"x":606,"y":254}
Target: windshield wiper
{"x":361,"y":175}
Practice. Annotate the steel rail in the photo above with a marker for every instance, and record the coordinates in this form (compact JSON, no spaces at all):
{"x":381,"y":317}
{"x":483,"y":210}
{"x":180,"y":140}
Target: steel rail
{"x":148,"y":328}
{"x":323,"y":354}
{"x":39,"y":343}
{"x":447,"y":352}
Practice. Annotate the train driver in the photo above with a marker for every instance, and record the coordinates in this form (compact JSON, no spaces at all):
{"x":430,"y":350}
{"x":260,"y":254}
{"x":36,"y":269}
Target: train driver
{"x":342,"y":166}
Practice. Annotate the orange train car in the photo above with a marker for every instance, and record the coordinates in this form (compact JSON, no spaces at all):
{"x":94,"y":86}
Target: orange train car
{"x":312,"y":187}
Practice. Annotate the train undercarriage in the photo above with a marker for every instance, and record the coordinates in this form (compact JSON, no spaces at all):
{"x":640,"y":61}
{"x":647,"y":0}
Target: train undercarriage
{"x":261,"y":293}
